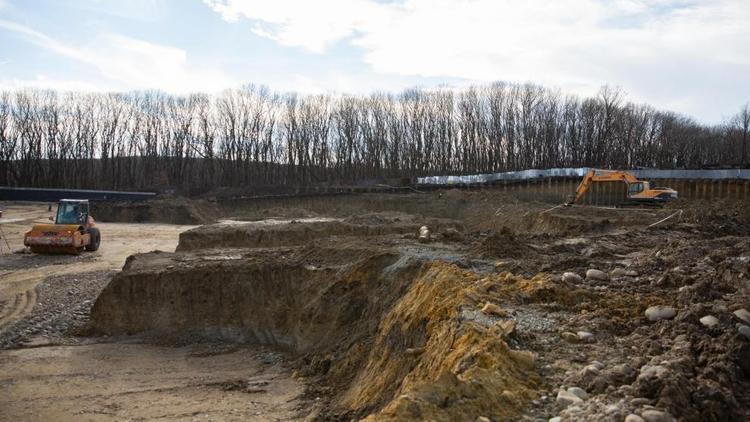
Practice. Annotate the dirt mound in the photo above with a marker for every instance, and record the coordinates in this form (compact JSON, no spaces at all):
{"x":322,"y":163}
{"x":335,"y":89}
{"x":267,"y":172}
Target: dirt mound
{"x":294,"y":233}
{"x":720,"y":217}
{"x":381,"y":218}
{"x":170,"y":211}
{"x":283,"y":213}
{"x":501,"y":244}
{"x":386,"y":336}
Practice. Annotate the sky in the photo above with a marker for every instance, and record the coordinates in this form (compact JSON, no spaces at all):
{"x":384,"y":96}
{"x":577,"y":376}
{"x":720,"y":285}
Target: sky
{"x":688,"y":56}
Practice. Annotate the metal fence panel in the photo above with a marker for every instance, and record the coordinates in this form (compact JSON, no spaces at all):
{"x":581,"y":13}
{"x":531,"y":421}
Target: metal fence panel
{"x":730,"y":174}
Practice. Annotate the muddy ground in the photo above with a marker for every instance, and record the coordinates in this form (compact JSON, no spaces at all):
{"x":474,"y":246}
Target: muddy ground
{"x":510,"y":309}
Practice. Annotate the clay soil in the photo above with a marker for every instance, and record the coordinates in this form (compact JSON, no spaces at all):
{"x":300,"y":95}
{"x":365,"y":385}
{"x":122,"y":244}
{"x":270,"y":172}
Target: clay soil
{"x":333,"y":308}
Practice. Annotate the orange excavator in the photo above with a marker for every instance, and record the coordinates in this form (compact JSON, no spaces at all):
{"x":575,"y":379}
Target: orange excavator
{"x":73,"y":232}
{"x":622,"y":188}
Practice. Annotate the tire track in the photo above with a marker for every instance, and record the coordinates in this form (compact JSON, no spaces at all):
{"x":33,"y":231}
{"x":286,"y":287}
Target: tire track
{"x":21,"y":304}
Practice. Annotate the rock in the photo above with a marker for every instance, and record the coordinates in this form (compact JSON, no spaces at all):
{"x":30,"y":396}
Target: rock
{"x":709,"y":321}
{"x":555,"y":419}
{"x":633,"y":418}
{"x":656,"y":416}
{"x":618,"y":272}
{"x":578,"y":392}
{"x":585,"y":336}
{"x":573,"y":278}
{"x":424,"y":234}
{"x":743,"y":314}
{"x":483,"y":419}
{"x":590,"y":369}
{"x":598,"y":275}
{"x":659,"y":312}
{"x":744,"y":330}
{"x":652,"y":371}
{"x":570,"y":337}
{"x":612,"y":408}
{"x":492,"y":309}
{"x":719,"y":307}
{"x":566,"y":398}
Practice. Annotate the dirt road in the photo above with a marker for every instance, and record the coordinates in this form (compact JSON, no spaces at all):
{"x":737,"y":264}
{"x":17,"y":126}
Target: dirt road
{"x":20,"y":274}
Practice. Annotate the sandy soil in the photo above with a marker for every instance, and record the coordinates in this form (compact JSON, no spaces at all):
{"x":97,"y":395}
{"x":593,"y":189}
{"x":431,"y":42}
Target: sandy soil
{"x":130,"y":381}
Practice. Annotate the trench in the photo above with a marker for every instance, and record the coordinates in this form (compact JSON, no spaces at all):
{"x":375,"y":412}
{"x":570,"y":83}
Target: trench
{"x":380,"y":336}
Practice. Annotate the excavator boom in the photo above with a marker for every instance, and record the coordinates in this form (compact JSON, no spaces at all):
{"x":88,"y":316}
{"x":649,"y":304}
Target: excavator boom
{"x":637,"y":191}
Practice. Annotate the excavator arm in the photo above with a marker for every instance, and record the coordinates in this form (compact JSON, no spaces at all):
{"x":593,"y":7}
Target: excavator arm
{"x":600,"y":176}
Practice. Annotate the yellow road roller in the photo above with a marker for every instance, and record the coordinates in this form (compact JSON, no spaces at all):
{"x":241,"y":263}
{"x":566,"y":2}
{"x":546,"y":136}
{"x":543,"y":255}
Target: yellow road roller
{"x":73,"y":231}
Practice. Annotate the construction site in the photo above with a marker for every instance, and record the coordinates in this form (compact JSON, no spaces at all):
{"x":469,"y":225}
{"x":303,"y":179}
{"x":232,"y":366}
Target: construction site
{"x":483,"y":300}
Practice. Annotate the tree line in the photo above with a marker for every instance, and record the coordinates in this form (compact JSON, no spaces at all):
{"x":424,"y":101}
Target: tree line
{"x":253,"y":137}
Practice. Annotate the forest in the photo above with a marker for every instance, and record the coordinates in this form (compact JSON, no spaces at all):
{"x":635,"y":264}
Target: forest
{"x":254,"y":137}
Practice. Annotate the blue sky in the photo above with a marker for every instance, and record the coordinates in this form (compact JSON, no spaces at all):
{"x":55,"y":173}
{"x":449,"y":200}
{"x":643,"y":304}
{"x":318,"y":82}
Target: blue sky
{"x":690,"y":56}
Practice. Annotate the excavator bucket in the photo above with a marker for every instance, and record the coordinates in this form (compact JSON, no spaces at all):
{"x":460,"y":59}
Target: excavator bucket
{"x":56,"y":239}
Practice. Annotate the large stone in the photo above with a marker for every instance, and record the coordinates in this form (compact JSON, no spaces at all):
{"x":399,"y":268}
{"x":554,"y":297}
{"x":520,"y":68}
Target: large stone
{"x":573,"y":278}
{"x":618,"y":272}
{"x":633,"y":418}
{"x":652,"y":371}
{"x":578,"y":392}
{"x":709,"y":321}
{"x":659,"y":312}
{"x":424,"y":234}
{"x":652,"y":415}
{"x":743,"y":314}
{"x":566,"y":398}
{"x":597,"y":275}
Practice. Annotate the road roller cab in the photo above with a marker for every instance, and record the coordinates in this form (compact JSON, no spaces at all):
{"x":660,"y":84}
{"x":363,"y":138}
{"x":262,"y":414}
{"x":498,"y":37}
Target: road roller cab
{"x":73,"y":230}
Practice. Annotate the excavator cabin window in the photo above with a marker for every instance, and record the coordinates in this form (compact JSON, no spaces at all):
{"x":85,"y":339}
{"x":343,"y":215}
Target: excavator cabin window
{"x":634,"y":188}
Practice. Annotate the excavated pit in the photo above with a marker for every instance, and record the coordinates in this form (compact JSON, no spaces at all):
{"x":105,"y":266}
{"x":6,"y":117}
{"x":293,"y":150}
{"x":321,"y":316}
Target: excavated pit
{"x":382,"y":334}
{"x":474,"y":321}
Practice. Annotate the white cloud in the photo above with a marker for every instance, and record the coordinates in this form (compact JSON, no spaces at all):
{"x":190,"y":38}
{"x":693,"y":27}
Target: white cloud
{"x":44,"y":82}
{"x":664,"y":51}
{"x":125,"y":63}
{"x":312,"y":25}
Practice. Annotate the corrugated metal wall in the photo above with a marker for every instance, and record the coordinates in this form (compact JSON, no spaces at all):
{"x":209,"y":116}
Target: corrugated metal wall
{"x":559,"y":185}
